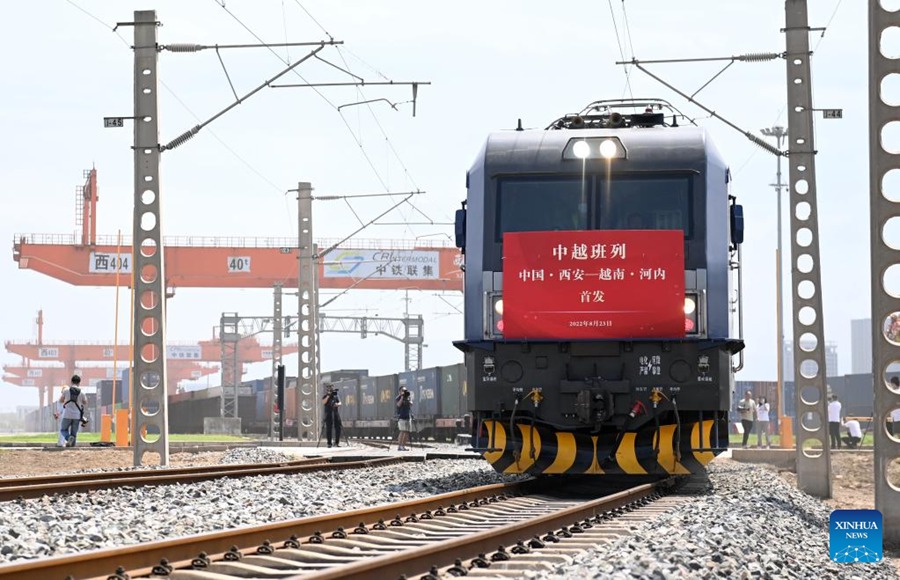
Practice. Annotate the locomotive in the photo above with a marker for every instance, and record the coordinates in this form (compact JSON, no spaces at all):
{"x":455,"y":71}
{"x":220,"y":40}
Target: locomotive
{"x":602,"y":294}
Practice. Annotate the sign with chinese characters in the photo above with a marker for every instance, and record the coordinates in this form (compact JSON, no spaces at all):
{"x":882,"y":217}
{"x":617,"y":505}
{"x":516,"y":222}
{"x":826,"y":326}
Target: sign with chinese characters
{"x":594,"y":284}
{"x":109,"y":263}
{"x":45,"y":352}
{"x":33,"y":373}
{"x":183,"y":352}
{"x":382,"y":264}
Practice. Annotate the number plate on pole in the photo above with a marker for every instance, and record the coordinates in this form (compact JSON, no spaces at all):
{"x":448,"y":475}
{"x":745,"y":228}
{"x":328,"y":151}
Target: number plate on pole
{"x":832,"y":113}
{"x":112,"y":122}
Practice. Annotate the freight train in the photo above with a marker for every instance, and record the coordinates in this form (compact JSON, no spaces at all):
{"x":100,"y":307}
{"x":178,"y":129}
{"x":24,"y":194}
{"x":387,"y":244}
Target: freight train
{"x":438,"y":397}
{"x":602,"y":294}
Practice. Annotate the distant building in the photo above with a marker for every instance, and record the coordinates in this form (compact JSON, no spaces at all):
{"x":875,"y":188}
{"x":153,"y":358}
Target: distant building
{"x":831,"y":361}
{"x":861,"y":346}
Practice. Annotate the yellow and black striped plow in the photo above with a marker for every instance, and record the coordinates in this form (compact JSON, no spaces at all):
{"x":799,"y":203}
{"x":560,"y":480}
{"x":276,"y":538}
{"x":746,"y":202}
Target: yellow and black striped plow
{"x":542,"y":450}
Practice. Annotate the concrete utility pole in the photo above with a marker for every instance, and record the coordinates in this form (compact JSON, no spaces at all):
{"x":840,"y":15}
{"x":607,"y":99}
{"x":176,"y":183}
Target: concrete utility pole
{"x":149,"y":423}
{"x":307,"y":320}
{"x":883,"y":209}
{"x":277,"y":335}
{"x":813,"y":449}
{"x":785,"y":431}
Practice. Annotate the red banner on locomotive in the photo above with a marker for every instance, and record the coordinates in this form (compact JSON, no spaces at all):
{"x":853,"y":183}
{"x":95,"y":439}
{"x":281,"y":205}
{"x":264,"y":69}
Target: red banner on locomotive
{"x":593,"y":284}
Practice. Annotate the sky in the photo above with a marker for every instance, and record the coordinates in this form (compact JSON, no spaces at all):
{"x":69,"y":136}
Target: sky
{"x":489,"y":64}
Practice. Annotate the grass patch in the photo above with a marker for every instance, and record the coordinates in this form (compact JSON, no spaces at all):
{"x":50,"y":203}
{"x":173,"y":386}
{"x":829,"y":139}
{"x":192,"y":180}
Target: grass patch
{"x":736,"y":440}
{"x":93,"y":437}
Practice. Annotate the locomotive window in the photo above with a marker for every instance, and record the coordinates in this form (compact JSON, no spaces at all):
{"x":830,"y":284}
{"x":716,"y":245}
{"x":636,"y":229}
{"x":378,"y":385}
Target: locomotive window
{"x":646,"y":203}
{"x":541,"y":204}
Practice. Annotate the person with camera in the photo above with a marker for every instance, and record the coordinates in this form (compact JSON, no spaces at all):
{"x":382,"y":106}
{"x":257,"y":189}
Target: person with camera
{"x":747,"y":410}
{"x":404,"y":418}
{"x":71,"y":405}
{"x":332,"y":415}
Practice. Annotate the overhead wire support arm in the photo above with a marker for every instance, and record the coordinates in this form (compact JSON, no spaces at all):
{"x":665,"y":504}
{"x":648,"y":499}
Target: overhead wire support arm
{"x":361,"y":83}
{"x":187,"y":135}
{"x":364,"y":226}
{"x":756,"y":140}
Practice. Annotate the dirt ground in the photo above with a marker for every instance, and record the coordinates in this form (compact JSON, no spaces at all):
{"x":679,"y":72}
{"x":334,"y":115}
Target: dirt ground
{"x":853,"y":473}
{"x":19,"y":463}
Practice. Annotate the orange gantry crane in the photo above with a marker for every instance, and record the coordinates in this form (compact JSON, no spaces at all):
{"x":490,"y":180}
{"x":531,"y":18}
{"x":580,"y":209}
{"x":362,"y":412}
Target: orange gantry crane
{"x":183,"y":360}
{"x":235,"y":262}
{"x":43,"y":375}
{"x":223,"y":262}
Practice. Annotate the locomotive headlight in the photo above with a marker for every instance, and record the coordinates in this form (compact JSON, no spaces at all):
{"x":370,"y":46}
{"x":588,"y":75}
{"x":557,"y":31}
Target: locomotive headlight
{"x":498,"y":307}
{"x":582,"y":150}
{"x":690,"y":305}
{"x":608,"y":149}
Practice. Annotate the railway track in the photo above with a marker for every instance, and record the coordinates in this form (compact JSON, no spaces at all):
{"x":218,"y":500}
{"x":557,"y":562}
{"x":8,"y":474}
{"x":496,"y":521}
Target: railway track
{"x":496,"y":529}
{"x":32,"y":487}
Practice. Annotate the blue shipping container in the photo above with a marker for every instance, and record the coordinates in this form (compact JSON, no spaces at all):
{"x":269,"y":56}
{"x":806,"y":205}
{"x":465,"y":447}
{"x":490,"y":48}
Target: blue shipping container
{"x":386,"y":391}
{"x":426,"y":393}
{"x":348,"y":391}
{"x":367,"y":397}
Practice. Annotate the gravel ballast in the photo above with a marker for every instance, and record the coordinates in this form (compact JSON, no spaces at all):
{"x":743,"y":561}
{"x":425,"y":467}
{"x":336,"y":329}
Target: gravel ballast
{"x":110,"y":518}
{"x":751,"y":524}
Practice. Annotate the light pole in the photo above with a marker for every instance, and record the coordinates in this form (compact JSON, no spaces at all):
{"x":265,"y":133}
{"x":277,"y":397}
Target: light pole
{"x":779,"y":133}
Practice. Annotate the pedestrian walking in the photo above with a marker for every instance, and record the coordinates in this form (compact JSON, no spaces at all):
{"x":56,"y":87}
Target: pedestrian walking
{"x":70,"y":406}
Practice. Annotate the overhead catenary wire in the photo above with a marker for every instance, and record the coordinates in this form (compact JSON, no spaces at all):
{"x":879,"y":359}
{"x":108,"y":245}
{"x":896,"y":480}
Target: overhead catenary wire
{"x":612,"y":14}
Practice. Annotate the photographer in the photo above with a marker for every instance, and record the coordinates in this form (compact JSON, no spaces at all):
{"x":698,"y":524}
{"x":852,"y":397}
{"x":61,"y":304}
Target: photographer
{"x":404,"y":416}
{"x":332,"y":415}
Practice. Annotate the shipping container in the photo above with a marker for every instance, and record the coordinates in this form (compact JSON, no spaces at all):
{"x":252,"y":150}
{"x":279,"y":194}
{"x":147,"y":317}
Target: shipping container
{"x":386,"y":389}
{"x":341,"y":374}
{"x":452,"y":395}
{"x":426,"y":393}
{"x":856,"y":394}
{"x":105,"y":387}
{"x":348,"y":391}
{"x":367,"y":398}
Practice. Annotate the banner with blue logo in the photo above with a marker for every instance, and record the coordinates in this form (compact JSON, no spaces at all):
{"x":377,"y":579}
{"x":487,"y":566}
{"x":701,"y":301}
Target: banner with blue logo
{"x":855,"y":536}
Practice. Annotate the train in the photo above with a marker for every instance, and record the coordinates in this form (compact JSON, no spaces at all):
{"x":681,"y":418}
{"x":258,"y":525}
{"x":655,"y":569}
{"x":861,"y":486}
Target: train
{"x":602,"y":306}
{"x":438,"y":396}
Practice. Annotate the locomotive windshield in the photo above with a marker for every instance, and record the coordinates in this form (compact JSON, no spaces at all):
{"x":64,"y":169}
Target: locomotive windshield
{"x":541,"y":204}
{"x":625,"y":203}
{"x":645,"y":203}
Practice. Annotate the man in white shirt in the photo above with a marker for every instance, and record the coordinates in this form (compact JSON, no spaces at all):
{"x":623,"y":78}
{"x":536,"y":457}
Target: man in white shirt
{"x":71,"y":405}
{"x":854,"y":434}
{"x":834,"y":422}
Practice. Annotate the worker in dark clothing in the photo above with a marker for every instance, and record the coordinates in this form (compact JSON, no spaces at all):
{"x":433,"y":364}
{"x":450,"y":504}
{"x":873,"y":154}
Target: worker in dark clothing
{"x":332,"y":415}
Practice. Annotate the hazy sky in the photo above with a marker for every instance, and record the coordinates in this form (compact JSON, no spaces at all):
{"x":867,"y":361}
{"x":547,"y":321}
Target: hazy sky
{"x":490,"y":63}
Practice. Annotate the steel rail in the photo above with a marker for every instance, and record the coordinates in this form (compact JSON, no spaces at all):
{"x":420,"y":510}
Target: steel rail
{"x":34,"y":487}
{"x":138,"y":559}
{"x":418,"y":560}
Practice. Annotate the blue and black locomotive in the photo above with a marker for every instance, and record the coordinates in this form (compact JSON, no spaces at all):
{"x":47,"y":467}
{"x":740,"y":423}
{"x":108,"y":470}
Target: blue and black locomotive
{"x":607,"y":400}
